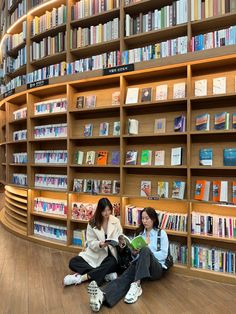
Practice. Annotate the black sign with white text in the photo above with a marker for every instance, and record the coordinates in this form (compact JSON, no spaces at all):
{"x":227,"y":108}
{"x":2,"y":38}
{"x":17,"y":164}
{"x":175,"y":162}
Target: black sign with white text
{"x":118,"y":69}
{"x":37,"y":84}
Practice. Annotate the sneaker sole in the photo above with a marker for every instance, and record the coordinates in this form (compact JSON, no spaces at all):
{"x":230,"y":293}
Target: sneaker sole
{"x":134,"y":300}
{"x":92,"y":288}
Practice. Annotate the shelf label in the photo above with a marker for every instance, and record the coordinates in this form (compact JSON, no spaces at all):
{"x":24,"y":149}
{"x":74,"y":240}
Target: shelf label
{"x":37,"y":84}
{"x":153,"y":198}
{"x":118,"y":69}
{"x":9,"y":93}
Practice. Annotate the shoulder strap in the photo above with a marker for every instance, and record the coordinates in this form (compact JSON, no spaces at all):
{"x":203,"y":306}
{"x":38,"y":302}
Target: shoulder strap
{"x":158,"y":239}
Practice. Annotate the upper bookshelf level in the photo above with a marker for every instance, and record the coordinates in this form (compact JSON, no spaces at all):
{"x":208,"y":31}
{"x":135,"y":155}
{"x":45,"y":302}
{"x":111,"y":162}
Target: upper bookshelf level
{"x":54,"y":39}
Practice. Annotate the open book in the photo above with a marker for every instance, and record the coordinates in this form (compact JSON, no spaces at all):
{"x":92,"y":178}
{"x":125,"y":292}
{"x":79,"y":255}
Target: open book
{"x":136,"y":243}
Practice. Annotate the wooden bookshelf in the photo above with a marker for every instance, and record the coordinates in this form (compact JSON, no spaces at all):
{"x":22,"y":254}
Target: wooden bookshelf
{"x":19,"y":215}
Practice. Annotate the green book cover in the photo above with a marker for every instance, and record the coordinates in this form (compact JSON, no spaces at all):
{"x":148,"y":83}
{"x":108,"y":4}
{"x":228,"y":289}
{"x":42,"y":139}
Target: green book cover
{"x":146,"y":157}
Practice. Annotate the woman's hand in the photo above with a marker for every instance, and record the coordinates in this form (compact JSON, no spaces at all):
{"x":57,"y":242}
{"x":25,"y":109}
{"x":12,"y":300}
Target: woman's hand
{"x":135,"y":252}
{"x":103,"y":244}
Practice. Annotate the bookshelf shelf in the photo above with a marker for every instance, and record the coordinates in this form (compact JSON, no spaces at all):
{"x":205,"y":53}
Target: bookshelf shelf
{"x":214,"y":238}
{"x":51,"y":59}
{"x":55,"y":217}
{"x":46,"y":116}
{"x":158,"y":106}
{"x":18,"y":165}
{"x":48,"y":189}
{"x":49,"y":139}
{"x":212,"y":23}
{"x":49,"y":165}
{"x":104,"y":111}
{"x":96,"y":18}
{"x":20,"y":71}
{"x":18,"y":121}
{"x":96,"y":49}
{"x":144,"y":6}
{"x":13,"y":52}
{"x":79,"y":221}
{"x":95,"y":166}
{"x":49,"y":32}
{"x":155,"y":36}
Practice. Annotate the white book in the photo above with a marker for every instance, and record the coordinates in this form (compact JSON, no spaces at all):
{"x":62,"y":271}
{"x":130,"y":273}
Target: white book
{"x":219,"y":85}
{"x":162,"y":92}
{"x":116,"y":128}
{"x":133,"y":126}
{"x":159,"y":158}
{"x":179,"y":90}
{"x":224,"y":191}
{"x":132,"y":95}
{"x":200,"y":88}
{"x":80,"y":157}
{"x":90,"y":158}
{"x":176,"y":156}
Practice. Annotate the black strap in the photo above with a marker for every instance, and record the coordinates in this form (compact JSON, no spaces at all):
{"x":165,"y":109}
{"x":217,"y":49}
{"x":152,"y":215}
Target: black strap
{"x":158,"y":239}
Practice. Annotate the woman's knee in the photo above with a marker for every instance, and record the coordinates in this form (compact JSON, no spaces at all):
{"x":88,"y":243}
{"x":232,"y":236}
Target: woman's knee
{"x":72,"y":263}
{"x":145,"y":251}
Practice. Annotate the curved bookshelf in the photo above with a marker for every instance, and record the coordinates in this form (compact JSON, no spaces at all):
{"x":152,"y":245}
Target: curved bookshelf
{"x":19,"y":215}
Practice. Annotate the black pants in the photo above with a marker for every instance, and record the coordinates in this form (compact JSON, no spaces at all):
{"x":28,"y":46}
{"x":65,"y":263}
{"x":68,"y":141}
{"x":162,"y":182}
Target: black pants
{"x":145,"y":267}
{"x":80,"y":266}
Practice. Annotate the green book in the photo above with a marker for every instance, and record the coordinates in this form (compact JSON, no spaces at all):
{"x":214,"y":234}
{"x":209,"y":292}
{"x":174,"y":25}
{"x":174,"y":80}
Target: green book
{"x":146,"y":157}
{"x":136,"y":243}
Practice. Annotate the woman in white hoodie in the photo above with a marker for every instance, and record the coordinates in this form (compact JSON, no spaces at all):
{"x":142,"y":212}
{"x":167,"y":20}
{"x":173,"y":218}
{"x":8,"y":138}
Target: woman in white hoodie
{"x":97,"y":260}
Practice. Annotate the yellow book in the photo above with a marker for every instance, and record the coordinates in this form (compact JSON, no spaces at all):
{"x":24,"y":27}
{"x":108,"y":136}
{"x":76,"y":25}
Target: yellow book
{"x":210,"y":8}
{"x":223,"y":6}
{"x":206,"y":9}
{"x":195,"y":10}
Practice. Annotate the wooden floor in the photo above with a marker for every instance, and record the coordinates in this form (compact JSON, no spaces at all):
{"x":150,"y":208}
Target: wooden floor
{"x":31,"y":277}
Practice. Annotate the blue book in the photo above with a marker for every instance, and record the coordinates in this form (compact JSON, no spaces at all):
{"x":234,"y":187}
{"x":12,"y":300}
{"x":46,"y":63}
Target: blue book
{"x":115,"y":159}
{"x":229,"y":157}
{"x":205,"y":157}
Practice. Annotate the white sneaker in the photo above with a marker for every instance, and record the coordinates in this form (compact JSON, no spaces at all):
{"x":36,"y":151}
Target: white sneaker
{"x":96,"y":296}
{"x":74,"y":279}
{"x":110,"y":277}
{"x":134,"y":292}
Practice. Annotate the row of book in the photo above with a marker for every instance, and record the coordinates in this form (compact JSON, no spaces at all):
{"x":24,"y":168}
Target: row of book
{"x":12,"y":41}
{"x":178,"y":189}
{"x":220,"y":38}
{"x":20,"y":114}
{"x":159,"y":157}
{"x":206,"y":157}
{"x":48,"y":46}
{"x":50,"y":130}
{"x":81,"y":37}
{"x":19,"y":11}
{"x":219,"y":85}
{"x":213,"y":225}
{"x":50,"y":206}
{"x":179,"y":253}
{"x":103,"y":129}
{"x":221,"y":121}
{"x":215,"y":259}
{"x":14,"y":83}
{"x":87,"y":102}
{"x":51,"y":106}
{"x":85,"y":8}
{"x":20,"y":135}
{"x":79,"y":238}
{"x":203,"y":9}
{"x":52,"y":181}
{"x":52,"y":231}
{"x":20,"y":158}
{"x":167,"y":16}
{"x":159,"y":125}
{"x":12,"y":64}
{"x":168,"y":48}
{"x":161,"y":93}
{"x":49,"y":20}
{"x":167,"y":220}
{"x":50,"y":156}
{"x":95,"y":186}
{"x":219,"y":191}
{"x":101,"y":157}
{"x":19,"y":179}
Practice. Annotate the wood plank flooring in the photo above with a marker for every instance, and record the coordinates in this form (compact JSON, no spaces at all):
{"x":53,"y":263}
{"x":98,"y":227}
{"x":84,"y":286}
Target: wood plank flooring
{"x":31,"y":283}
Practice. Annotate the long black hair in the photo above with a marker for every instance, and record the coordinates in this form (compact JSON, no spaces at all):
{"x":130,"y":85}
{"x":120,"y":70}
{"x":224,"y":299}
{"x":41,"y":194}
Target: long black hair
{"x":97,"y":219}
{"x":152,"y":214}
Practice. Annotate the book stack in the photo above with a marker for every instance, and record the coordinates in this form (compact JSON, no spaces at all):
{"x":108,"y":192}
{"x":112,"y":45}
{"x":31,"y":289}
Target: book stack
{"x":50,"y":206}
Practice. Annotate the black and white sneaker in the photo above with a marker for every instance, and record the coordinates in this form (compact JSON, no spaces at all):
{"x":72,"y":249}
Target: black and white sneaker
{"x":96,"y":296}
